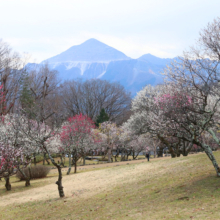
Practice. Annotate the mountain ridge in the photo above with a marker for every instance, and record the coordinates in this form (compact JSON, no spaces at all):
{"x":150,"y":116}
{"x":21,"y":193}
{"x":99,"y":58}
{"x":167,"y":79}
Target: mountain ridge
{"x":94,"y":59}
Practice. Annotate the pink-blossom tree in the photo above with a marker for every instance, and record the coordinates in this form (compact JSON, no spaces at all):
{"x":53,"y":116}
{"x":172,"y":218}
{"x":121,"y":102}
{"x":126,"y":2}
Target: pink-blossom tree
{"x":76,"y":137}
{"x":11,"y":160}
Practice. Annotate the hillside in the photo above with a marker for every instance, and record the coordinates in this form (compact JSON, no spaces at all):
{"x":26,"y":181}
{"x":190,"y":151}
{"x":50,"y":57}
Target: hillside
{"x":180,"y":188}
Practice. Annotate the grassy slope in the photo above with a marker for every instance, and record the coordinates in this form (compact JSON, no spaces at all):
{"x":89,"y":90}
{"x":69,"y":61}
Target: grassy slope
{"x":181,"y":188}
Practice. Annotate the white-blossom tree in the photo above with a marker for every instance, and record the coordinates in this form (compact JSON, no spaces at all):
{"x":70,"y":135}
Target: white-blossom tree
{"x":138,"y":145}
{"x":126,"y":139}
{"x":184,"y":108}
{"x":101,"y":144}
{"x":112,"y":133}
{"x":15,"y":149}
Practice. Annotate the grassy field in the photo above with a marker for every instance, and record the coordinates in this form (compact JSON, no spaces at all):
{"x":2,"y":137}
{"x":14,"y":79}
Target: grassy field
{"x":180,"y":188}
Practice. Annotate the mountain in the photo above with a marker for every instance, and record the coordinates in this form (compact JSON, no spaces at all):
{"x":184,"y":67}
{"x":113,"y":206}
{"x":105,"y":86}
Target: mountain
{"x":89,"y":59}
{"x":94,"y":59}
{"x":154,"y":60}
{"x":133,"y":74}
{"x":91,"y":50}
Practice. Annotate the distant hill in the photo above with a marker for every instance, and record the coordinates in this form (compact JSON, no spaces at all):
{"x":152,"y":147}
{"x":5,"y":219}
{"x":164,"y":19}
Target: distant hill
{"x":154,"y":60}
{"x":94,"y":59}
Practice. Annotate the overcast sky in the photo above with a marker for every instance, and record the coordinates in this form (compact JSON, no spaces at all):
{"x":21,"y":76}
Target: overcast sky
{"x":164,"y":28}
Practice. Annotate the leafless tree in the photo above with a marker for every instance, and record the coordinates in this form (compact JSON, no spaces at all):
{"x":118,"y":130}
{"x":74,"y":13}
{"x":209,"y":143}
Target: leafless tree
{"x":91,"y":96}
{"x":11,"y":70}
{"x":52,"y":100}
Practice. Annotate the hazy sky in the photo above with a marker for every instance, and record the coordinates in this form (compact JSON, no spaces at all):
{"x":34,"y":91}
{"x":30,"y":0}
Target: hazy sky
{"x":44,"y":28}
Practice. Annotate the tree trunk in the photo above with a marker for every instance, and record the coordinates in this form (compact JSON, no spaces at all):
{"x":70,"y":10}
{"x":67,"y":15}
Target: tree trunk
{"x":7,"y":183}
{"x":133,"y":154}
{"x":35,"y":162}
{"x":109,"y":155}
{"x":126,"y":155}
{"x":210,"y":155}
{"x":185,"y":153}
{"x":122,"y":154}
{"x":64,"y":160}
{"x":104,"y":153}
{"x":44,"y":159}
{"x":61,"y":159}
{"x":29,"y":169}
{"x":173,"y":155}
{"x":69,"y":169}
{"x":84,"y":161}
{"x":27,"y":179}
{"x":160,"y":152}
{"x":48,"y":162}
{"x":59,"y":181}
{"x":75,"y":167}
{"x":187,"y":149}
{"x":27,"y":183}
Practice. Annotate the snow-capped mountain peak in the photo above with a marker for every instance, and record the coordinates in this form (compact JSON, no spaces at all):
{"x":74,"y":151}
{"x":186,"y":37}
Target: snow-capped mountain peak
{"x":91,"y":50}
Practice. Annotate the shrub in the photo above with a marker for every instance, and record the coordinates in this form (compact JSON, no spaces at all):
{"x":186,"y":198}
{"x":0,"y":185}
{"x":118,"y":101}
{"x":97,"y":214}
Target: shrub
{"x":34,"y":172}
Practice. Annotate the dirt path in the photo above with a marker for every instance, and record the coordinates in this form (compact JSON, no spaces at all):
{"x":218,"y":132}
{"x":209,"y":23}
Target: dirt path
{"x":86,"y":184}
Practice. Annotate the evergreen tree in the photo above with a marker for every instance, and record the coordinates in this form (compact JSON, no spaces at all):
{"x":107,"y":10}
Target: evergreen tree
{"x":26,"y":96}
{"x":103,"y":116}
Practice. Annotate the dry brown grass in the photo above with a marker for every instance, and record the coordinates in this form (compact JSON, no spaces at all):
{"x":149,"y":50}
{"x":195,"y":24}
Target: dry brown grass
{"x":84,"y":184}
{"x":181,"y":188}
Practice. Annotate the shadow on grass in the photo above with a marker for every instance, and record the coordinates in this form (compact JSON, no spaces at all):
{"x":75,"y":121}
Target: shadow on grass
{"x":209,"y":183}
